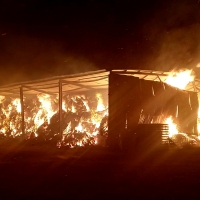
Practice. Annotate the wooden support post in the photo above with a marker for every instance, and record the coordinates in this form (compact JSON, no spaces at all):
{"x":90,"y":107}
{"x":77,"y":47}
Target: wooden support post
{"x":22,"y":110}
{"x":60,"y":109}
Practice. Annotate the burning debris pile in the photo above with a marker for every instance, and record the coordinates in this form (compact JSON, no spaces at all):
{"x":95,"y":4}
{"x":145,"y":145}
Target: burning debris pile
{"x":82,"y":118}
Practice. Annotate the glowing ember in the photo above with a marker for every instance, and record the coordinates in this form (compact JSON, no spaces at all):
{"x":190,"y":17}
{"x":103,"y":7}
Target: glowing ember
{"x":73,"y":109}
{"x":79,"y":128}
{"x":64,"y":106}
{"x":86,"y":105}
{"x":2,"y":98}
{"x":17,"y":104}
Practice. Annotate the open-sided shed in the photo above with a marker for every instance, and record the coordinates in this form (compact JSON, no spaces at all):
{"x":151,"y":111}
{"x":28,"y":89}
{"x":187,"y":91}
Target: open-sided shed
{"x":80,"y":82}
{"x":84,"y":82}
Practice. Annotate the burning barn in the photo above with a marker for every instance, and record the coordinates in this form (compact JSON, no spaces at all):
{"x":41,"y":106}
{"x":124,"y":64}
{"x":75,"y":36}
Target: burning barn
{"x":118,"y":108}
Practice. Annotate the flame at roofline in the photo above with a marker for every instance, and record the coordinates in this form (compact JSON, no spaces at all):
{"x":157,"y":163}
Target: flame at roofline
{"x":82,"y":82}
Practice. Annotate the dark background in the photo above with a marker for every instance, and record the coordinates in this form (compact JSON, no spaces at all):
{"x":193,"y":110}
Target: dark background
{"x":47,"y":38}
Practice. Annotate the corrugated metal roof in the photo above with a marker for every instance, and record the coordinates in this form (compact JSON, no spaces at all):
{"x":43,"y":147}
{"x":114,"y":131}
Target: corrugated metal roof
{"x":82,"y":82}
{"x":153,"y":75}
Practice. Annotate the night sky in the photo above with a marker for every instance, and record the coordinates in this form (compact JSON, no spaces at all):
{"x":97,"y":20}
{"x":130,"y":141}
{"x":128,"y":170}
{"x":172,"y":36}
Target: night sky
{"x":47,"y":38}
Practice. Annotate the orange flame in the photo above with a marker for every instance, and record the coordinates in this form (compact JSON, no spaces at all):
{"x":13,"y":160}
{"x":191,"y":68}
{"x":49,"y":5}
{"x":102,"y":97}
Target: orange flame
{"x":46,"y":106}
{"x":17,"y":104}
{"x":180,"y":79}
{"x":100,"y":105}
{"x":172,"y":126}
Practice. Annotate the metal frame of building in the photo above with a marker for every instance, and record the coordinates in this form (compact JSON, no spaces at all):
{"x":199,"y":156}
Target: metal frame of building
{"x":80,"y":83}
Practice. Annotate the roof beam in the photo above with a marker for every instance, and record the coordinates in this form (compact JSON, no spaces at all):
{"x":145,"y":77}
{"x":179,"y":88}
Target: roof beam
{"x":159,"y":78}
{"x":143,"y":73}
{"x":9,"y":91}
{"x":77,"y":84}
{"x":97,"y":79}
{"x":38,"y":90}
{"x":55,"y":78}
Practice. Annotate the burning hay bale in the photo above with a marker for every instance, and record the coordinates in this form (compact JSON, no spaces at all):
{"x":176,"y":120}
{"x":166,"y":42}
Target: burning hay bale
{"x":10,"y":118}
{"x":81,"y":118}
{"x":103,"y":132}
{"x":183,"y":140}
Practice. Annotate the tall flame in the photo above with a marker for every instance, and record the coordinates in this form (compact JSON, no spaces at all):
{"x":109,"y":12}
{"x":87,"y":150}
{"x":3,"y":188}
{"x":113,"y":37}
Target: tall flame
{"x":172,"y":126}
{"x":100,"y":105}
{"x":179,"y":79}
{"x":46,"y":106}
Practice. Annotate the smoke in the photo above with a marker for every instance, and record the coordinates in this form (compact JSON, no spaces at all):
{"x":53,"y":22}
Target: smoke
{"x":179,"y":48}
{"x":75,"y":38}
{"x":25,"y":58}
{"x":174,"y":36}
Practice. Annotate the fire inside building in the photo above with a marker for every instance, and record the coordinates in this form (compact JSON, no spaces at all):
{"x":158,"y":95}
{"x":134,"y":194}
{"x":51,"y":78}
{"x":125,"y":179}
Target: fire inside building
{"x":118,"y":109}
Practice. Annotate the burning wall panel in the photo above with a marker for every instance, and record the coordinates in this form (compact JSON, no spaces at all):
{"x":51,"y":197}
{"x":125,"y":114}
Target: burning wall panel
{"x":147,"y":102}
{"x":161,"y":101}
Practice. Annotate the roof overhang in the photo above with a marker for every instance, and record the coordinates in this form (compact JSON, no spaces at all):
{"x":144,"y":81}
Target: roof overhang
{"x":76,"y":83}
{"x":83,"y":82}
{"x":153,"y":75}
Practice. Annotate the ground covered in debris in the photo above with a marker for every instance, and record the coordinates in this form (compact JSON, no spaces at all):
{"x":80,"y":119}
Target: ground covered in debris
{"x":29,"y":171}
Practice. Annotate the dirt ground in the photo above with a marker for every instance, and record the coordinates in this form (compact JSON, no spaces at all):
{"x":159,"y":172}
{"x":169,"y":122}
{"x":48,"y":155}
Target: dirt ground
{"x":46,"y":172}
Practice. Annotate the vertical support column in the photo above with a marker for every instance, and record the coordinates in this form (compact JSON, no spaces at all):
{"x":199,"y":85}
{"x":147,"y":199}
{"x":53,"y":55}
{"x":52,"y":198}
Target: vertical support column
{"x":22,"y":109}
{"x":60,"y":109}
